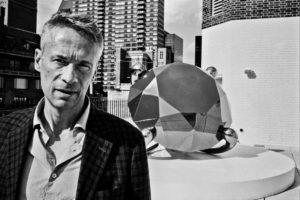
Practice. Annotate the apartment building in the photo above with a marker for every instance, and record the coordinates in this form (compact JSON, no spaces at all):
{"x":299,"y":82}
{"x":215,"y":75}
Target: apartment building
{"x":19,"y":82}
{"x":130,"y":25}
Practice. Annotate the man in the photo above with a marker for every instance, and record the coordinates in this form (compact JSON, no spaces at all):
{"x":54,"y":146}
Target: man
{"x":65,"y":148}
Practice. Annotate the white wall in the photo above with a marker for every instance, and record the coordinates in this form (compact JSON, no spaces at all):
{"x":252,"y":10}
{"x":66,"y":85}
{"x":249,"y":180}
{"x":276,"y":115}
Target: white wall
{"x":267,"y":108}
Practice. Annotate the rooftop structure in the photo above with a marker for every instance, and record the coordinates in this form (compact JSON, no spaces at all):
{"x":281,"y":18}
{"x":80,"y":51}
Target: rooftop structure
{"x":255,"y":47}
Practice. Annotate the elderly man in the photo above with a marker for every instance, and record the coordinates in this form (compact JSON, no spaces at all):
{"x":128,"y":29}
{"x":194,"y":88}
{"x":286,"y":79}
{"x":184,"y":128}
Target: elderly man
{"x":65,"y":148}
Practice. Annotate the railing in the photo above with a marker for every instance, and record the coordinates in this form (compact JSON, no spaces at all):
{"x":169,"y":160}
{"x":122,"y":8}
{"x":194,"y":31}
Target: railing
{"x":28,"y":54}
{"x":118,"y":108}
{"x":16,"y":104}
{"x":20,"y":73}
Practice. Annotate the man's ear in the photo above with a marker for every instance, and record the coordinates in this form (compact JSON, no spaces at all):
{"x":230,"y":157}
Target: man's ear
{"x":94,"y":75}
{"x":37,"y":59}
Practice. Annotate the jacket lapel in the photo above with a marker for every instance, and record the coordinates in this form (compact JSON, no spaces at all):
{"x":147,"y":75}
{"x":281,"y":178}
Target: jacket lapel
{"x":17,"y":144}
{"x":95,"y":153}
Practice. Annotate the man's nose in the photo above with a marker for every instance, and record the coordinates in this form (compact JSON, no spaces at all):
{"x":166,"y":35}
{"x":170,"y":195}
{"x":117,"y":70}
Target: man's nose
{"x":69,"y":74}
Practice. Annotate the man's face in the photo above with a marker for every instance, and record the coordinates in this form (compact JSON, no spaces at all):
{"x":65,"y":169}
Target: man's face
{"x":66,"y":64}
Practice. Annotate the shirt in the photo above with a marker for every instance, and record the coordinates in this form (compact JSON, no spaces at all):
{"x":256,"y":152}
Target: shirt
{"x":52,"y":166}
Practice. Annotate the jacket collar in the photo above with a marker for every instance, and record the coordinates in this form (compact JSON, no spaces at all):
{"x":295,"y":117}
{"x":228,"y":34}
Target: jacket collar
{"x":96,"y":150}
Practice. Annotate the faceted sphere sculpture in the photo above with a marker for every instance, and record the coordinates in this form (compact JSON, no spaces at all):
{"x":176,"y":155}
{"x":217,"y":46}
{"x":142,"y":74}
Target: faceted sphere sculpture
{"x":187,"y":107}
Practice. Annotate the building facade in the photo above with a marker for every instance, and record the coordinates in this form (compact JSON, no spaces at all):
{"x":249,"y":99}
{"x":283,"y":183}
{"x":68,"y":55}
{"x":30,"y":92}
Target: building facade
{"x":164,"y":56}
{"x":131,"y":25}
{"x":175,"y":42}
{"x":198,"y":50}
{"x":19,"y":82}
{"x":22,"y":14}
{"x":255,"y":47}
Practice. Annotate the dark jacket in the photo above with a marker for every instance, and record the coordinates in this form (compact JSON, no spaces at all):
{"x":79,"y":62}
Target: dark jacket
{"x":114,"y":163}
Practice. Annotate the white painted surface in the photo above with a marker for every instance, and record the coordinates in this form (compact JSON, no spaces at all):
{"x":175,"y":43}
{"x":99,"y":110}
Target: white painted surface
{"x":242,"y":173}
{"x":266,"y":108}
{"x":4,"y":4}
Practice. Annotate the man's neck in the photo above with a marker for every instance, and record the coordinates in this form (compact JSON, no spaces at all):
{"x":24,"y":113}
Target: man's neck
{"x":60,"y":119}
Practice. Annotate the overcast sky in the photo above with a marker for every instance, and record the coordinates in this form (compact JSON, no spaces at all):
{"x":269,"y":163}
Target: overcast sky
{"x":182,"y":17}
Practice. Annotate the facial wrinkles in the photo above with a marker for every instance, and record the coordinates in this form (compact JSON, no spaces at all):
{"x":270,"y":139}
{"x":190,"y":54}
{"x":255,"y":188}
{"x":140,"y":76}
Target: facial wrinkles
{"x":73,"y":47}
{"x":76,"y":53}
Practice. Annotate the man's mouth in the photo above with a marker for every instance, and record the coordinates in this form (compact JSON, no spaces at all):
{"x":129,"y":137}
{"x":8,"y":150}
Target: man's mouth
{"x":66,"y":91}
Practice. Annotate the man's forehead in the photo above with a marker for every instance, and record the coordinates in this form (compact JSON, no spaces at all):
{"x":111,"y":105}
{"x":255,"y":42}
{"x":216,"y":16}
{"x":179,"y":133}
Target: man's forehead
{"x":64,"y":34}
{"x":58,"y":36}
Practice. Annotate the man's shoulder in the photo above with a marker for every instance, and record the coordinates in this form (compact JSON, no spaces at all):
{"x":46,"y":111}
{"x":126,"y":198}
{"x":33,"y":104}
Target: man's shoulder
{"x":16,"y":119}
{"x":118,"y":129}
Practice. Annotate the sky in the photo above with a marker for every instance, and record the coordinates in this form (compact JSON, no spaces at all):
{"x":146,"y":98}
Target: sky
{"x":182,"y":17}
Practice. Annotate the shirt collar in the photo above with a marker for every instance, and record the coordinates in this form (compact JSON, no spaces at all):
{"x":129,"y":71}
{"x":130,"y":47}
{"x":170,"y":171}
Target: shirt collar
{"x":81,"y":123}
{"x":36,"y":119}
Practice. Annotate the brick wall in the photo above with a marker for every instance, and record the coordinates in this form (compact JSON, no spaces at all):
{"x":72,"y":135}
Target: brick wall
{"x":249,"y":9}
{"x":267,"y":107}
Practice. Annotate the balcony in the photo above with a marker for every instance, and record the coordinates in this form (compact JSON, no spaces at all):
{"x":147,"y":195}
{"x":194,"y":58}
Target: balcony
{"x":141,"y":33}
{"x":19,"y":73}
{"x":141,"y":37}
{"x":23,"y":54}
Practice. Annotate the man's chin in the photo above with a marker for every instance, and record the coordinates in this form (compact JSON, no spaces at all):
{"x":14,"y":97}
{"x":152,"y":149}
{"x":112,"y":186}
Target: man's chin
{"x":65,"y":104}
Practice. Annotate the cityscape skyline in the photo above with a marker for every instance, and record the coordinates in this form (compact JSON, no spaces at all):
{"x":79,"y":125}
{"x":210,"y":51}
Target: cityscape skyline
{"x":133,"y":32}
{"x":180,"y":18}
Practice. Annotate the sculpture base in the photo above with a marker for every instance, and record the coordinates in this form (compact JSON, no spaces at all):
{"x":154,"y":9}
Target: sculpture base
{"x":242,"y":173}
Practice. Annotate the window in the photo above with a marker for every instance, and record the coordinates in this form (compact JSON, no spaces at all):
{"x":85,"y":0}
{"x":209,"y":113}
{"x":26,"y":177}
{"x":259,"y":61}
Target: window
{"x":38,"y":84}
{"x":20,"y":83}
{"x":217,"y":7}
{"x":161,"y":55}
{"x":1,"y":82}
{"x":83,"y":5}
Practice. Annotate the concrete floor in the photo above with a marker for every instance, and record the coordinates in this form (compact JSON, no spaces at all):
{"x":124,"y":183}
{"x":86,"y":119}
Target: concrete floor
{"x":292,"y":193}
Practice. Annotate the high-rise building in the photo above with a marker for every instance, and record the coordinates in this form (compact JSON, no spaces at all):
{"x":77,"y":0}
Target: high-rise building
{"x":176,"y":44}
{"x":198,"y":48}
{"x":21,"y":14}
{"x":255,"y":47}
{"x":131,"y":25}
{"x":96,"y":9}
{"x":19,"y":82}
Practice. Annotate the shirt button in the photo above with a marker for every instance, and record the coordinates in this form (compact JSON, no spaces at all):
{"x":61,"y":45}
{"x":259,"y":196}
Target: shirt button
{"x":54,"y":176}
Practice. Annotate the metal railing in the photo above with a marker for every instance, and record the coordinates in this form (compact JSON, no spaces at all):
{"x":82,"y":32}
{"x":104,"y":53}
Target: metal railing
{"x":118,"y":107}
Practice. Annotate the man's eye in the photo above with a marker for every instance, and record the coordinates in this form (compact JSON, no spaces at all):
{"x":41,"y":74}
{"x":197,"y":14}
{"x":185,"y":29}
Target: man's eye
{"x":85,"y":67}
{"x":61,"y":61}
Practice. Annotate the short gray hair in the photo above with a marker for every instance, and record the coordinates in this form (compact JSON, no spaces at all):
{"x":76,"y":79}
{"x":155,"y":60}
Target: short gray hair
{"x":83,"y":24}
